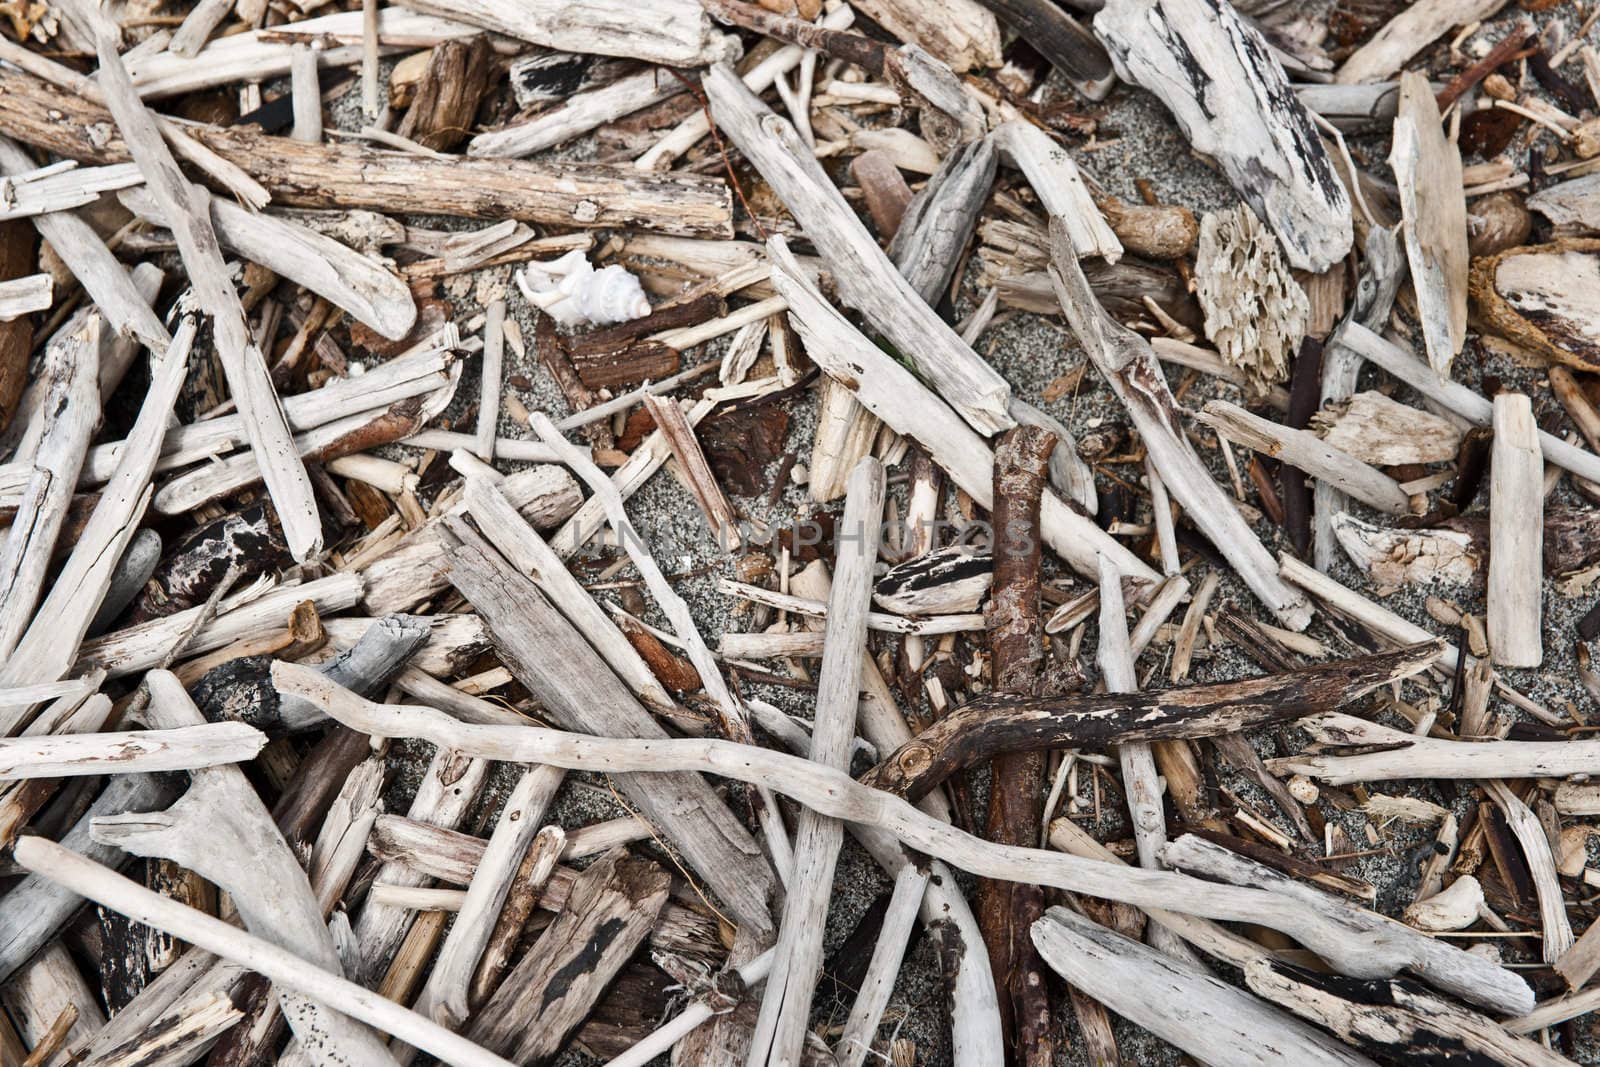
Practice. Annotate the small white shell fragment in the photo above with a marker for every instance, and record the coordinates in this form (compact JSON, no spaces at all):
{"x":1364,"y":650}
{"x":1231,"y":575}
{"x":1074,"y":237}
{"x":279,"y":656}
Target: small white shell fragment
{"x":1454,"y":908}
{"x":572,"y":292}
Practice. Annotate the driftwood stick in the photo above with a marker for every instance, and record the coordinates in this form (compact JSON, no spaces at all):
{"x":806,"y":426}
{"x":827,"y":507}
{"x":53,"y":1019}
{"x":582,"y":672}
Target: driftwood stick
{"x":991,"y":725}
{"x":1413,"y":29}
{"x":70,"y":412}
{"x":578,"y":114}
{"x":938,"y":222}
{"x":1454,"y":396}
{"x":780,"y":1029}
{"x":1351,"y":943}
{"x":672,"y":32}
{"x":346,"y":176}
{"x":1427,"y":170}
{"x":1516,"y":536}
{"x":878,"y":984}
{"x":307,"y":91}
{"x":1204,"y":1016}
{"x":188,"y":210}
{"x":1007,"y":910}
{"x":127,"y":752}
{"x":1308,"y":452}
{"x":1060,"y":189}
{"x":883,"y":386}
{"x":220,"y":830}
{"x":490,"y":384}
{"x":1127,"y":363}
{"x":548,"y":656}
{"x":444,"y":997}
{"x":89,"y":879}
{"x":1529,"y":832}
{"x":1408,"y":756}
{"x":863,"y":275}
{"x":882,"y":622}
{"x":1234,"y":103}
{"x":527,"y":888}
{"x":665,"y":1038}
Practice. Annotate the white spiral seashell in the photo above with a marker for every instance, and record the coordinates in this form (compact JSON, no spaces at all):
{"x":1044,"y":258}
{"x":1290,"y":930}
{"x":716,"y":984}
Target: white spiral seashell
{"x":571,"y":291}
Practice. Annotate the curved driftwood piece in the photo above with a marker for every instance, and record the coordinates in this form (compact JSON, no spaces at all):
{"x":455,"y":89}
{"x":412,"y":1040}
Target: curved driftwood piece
{"x":781,"y":1024}
{"x":1129,"y":365}
{"x":125,"y":752}
{"x":864,"y":277}
{"x":1358,"y":943}
{"x":548,"y":656}
{"x":350,"y":281}
{"x":221,"y":830}
{"x":241,"y":690}
{"x":36,"y":907}
{"x":892,"y":393}
{"x":1218,"y":77}
{"x":89,"y":879}
{"x":1385,"y":754}
{"x":299,"y":174}
{"x":1205,"y":1016}
{"x":992,"y":725}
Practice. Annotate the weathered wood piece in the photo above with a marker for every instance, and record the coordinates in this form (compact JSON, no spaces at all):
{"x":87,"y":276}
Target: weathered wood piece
{"x":299,"y":174}
{"x":609,"y":911}
{"x":129,"y":751}
{"x":87,"y":878}
{"x":883,"y":388}
{"x":1541,"y":297}
{"x":1398,"y":755}
{"x":1055,"y":180}
{"x":1516,"y":536}
{"x":1233,"y":101}
{"x":187,"y":209}
{"x":578,"y":114}
{"x":1529,"y":832}
{"x":995,"y":724}
{"x":1303,"y":449}
{"x":1129,"y":366}
{"x":1062,"y":40}
{"x":781,"y":1025}
{"x":863,"y":275}
{"x":221,"y":830}
{"x":447,"y":98}
{"x":579,"y":691}
{"x":350,"y":281}
{"x":1211,"y":1020}
{"x":674,"y":32}
{"x":938,"y":221}
{"x":961,"y":33}
{"x":1412,"y":30}
{"x":1427,"y":170}
{"x":1360,"y":944}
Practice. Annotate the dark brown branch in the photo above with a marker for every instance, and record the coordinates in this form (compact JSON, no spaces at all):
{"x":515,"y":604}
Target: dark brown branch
{"x":993,"y":725}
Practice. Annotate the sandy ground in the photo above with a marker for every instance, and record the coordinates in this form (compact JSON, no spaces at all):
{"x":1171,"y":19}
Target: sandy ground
{"x":1136,"y":139}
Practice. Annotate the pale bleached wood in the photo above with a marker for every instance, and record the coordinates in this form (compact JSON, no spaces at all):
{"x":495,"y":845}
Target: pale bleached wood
{"x":1384,"y":432}
{"x":780,"y":1030}
{"x":578,"y":114}
{"x":1410,"y":31}
{"x":50,"y":644}
{"x":1204,"y":1016}
{"x":352,"y":282}
{"x":37,"y":908}
{"x":1129,"y":366}
{"x":45,"y":986}
{"x":1356,"y":942}
{"x":1456,"y":397}
{"x":758,"y":79}
{"x":1516,"y":536}
{"x":307,"y":90}
{"x":188,"y":210}
{"x":342,"y":839}
{"x":88,"y":878}
{"x":721,"y":520}
{"x":450,"y":785}
{"x":1233,"y":101}
{"x":877,"y":984}
{"x":938,"y":221}
{"x":70,"y":412}
{"x":61,"y":187}
{"x":177,"y":1036}
{"x":527,"y":551}
{"x":1303,"y":449}
{"x":138,"y":648}
{"x":494,"y":354}
{"x":885,"y":623}
{"x":128,"y":752}
{"x":892,"y":393}
{"x":1427,"y":170}
{"x":863,"y":275}
{"x":548,"y":656}
{"x":23,"y":296}
{"x":663,"y":1039}
{"x":961,"y":32}
{"x":444,"y":997}
{"x":222,"y":831}
{"x":1529,"y":832}
{"x":197,"y":26}
{"x":673,"y":32}
{"x":1055,"y":180}
{"x":846,"y":432}
{"x":1428,"y":757}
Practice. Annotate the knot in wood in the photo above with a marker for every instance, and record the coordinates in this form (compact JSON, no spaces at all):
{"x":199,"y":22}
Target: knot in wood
{"x":914,"y":760}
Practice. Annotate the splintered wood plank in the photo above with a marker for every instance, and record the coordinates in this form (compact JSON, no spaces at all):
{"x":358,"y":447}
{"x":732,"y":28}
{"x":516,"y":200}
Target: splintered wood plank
{"x":1427,"y":169}
{"x":609,"y":911}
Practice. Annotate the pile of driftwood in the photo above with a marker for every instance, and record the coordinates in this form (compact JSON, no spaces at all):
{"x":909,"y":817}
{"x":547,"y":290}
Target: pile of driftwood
{"x":262,"y":542}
